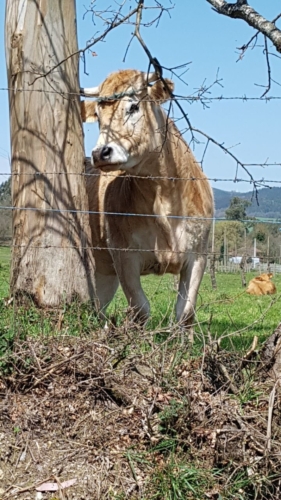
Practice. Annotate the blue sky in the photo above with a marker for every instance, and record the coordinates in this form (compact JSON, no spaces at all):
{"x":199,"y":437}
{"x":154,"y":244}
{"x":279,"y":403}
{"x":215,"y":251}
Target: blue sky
{"x":195,"y":34}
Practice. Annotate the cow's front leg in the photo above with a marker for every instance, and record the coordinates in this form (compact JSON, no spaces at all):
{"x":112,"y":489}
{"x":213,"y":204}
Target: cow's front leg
{"x":106,"y":286}
{"x":127,"y":267}
{"x":190,"y":278}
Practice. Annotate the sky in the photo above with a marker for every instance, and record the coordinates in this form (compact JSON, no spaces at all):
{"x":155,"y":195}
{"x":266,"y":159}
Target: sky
{"x":193,"y":33}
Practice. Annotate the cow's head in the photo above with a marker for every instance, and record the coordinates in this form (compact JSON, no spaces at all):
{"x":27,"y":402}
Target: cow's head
{"x":131,"y":121}
{"x":264,"y":277}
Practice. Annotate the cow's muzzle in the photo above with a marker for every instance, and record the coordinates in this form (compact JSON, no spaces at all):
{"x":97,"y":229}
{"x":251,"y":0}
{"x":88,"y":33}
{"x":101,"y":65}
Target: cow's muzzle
{"x":102,"y":155}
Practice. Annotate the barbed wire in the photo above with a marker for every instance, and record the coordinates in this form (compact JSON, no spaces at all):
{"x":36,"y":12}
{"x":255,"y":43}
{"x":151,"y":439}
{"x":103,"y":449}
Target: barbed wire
{"x":209,"y":253}
{"x":178,"y":97}
{"x":150,"y":177}
{"x":201,"y":96}
{"x":127,"y":214}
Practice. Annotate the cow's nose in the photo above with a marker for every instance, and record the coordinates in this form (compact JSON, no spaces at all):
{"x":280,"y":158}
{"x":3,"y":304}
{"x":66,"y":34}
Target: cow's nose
{"x":106,"y":152}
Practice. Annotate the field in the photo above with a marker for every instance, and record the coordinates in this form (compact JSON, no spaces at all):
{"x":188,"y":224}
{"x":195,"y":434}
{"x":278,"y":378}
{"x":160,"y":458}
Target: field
{"x":227,"y":313}
{"x":133,"y":413}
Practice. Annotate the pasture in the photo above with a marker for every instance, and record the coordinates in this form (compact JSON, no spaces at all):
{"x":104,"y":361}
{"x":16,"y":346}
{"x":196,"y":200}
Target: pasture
{"x":228,"y":313}
{"x":139,"y":413}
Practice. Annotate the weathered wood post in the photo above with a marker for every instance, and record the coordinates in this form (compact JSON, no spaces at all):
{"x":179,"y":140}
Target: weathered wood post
{"x":50,"y":260}
{"x":213,"y":259}
{"x":242,"y":269}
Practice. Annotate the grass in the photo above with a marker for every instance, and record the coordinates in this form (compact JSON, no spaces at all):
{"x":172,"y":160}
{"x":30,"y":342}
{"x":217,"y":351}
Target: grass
{"x":224,"y":311}
{"x":228,"y":313}
{"x":5,"y":256}
{"x":179,"y":481}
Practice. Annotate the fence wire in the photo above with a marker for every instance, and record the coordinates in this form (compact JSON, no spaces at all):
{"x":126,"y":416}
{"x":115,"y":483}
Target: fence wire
{"x":127,"y":214}
{"x":62,"y":211}
{"x":194,"y":98}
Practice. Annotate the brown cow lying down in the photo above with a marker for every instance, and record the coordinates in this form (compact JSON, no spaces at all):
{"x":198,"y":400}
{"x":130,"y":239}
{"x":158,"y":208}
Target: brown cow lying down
{"x":261,"y":285}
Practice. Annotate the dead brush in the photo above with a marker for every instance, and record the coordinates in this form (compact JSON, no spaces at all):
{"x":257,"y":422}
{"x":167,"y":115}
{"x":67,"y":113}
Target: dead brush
{"x":137,"y":416}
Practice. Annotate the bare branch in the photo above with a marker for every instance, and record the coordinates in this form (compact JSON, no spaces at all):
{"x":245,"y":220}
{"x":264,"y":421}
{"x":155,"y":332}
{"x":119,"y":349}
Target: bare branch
{"x":114,"y":24}
{"x":241,"y":10}
{"x":238,"y":162}
{"x":152,"y":60}
{"x":158,"y":69}
{"x":268,"y":67}
{"x":247,"y":45}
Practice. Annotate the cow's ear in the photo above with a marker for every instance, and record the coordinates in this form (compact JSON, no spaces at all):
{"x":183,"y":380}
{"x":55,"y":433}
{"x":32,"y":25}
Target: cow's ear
{"x":160,"y":92}
{"x":89,"y":111}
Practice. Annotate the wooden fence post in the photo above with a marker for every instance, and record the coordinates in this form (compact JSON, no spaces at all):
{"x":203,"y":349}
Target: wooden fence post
{"x":51,"y":261}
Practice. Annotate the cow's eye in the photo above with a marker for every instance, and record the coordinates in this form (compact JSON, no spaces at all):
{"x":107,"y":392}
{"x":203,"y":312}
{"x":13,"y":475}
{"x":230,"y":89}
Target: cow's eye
{"x":133,"y":108}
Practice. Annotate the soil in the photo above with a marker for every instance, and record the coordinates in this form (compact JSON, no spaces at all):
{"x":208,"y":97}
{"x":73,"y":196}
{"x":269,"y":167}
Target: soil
{"x":95,"y":410}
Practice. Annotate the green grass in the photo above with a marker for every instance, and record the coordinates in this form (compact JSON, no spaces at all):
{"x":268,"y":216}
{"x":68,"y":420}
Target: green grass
{"x":5,"y":256}
{"x":228,"y":312}
{"x":223,"y":311}
{"x":179,"y":481}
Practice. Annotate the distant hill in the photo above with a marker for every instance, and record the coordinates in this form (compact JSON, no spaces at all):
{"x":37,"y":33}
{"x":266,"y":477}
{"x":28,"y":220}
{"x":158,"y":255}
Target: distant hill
{"x":269,"y":200}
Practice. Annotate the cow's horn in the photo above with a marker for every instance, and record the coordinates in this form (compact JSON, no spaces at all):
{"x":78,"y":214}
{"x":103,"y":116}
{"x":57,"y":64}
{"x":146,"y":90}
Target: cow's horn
{"x":90,"y":92}
{"x":152,"y":77}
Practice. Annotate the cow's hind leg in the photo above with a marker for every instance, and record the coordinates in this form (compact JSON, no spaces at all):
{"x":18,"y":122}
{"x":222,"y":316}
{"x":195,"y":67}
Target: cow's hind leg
{"x":137,"y":300}
{"x":106,"y":286}
{"x":190,"y":279}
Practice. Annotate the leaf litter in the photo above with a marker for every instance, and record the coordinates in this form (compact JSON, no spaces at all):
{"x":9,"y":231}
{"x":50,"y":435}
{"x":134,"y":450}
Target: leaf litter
{"x":102,"y":417}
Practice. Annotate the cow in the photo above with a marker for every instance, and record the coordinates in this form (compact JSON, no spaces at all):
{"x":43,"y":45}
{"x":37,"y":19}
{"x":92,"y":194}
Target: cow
{"x":261,"y":285}
{"x":150,"y":203}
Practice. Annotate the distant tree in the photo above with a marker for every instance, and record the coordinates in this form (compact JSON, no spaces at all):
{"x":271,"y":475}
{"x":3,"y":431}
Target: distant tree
{"x":237,"y":209}
{"x":5,"y":215}
{"x":5,"y":191}
{"x":260,"y":233}
{"x":231,"y":233}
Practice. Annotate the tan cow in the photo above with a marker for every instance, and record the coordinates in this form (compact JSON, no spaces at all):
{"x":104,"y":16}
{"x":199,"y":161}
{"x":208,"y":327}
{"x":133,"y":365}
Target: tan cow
{"x":144,"y":169}
{"x":261,"y":285}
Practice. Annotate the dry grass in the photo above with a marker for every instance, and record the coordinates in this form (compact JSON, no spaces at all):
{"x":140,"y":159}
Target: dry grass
{"x":130,"y":417}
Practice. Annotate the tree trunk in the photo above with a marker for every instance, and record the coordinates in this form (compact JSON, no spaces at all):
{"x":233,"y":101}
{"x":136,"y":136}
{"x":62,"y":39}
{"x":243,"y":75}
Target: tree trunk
{"x":49,"y":262}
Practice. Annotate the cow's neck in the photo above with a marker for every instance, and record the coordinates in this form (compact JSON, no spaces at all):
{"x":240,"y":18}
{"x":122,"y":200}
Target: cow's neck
{"x":174,"y":160}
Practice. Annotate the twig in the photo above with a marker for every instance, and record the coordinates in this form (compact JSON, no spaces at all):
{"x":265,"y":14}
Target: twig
{"x":112,"y":25}
{"x":241,"y":10}
{"x":254,"y":322}
{"x":250,"y":351}
{"x":268,"y":68}
{"x":23,"y":450}
{"x":23,"y":490}
{"x":31,"y":453}
{"x":226,"y":375}
{"x":153,"y":61}
{"x":53,"y":368}
{"x":270,"y":412}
